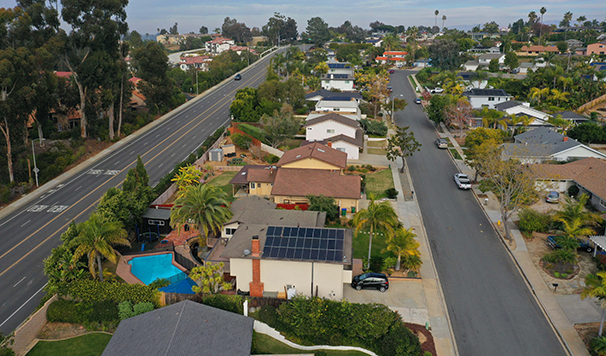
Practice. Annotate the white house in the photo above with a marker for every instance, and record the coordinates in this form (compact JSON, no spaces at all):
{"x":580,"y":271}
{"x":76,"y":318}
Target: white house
{"x":343,"y":82}
{"x":219,"y":45}
{"x":543,"y":144}
{"x":343,"y":134}
{"x":333,"y":95}
{"x":479,"y":98}
{"x":471,"y":65}
{"x":340,"y":68}
{"x":343,"y":107}
{"x":485,"y":59}
{"x":198,"y":62}
{"x":513,"y":107}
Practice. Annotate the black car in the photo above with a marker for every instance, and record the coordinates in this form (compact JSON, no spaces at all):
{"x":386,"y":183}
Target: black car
{"x":371,"y":280}
{"x":238,"y":77}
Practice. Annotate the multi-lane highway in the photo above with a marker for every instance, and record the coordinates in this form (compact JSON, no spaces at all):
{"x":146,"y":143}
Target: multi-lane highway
{"x":491,"y":310}
{"x":28,"y":234}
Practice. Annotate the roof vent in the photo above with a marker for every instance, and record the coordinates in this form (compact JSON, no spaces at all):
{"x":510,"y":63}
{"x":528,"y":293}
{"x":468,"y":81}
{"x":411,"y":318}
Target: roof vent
{"x":246,"y":252}
{"x":321,"y":150}
{"x":298,"y":156}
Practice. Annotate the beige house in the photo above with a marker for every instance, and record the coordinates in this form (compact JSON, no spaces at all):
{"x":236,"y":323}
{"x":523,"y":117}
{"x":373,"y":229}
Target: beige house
{"x":283,"y":261}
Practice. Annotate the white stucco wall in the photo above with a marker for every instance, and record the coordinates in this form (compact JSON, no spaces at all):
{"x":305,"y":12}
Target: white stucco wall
{"x":345,"y":85}
{"x":320,"y":130}
{"x":353,"y":152}
{"x":478,"y":101}
{"x":578,"y":152}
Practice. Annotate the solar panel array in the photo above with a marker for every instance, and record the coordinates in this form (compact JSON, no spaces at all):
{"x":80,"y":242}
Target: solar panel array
{"x":337,"y":65}
{"x":305,"y":244}
{"x":340,"y":76}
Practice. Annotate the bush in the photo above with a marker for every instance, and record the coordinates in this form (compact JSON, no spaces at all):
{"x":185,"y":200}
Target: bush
{"x":69,"y":311}
{"x":269,"y":315}
{"x":166,"y":181}
{"x":376,"y":264}
{"x":391,"y":193}
{"x":241,"y":141}
{"x":600,"y":262}
{"x":373,"y":127}
{"x":232,"y":303}
{"x":560,"y":256}
{"x":271,"y":159}
{"x":400,"y":341}
{"x":573,"y":190}
{"x":253,"y":131}
{"x":534,"y":221}
{"x":351,"y":168}
{"x":96,"y":291}
{"x":127,"y":310}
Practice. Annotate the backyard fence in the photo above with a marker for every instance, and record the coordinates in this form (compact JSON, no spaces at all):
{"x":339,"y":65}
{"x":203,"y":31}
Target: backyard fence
{"x":184,"y":261}
{"x":253,"y":302}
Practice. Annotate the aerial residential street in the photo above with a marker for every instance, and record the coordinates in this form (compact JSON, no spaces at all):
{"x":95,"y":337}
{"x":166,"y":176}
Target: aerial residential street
{"x":491,"y":309}
{"x":30,"y":232}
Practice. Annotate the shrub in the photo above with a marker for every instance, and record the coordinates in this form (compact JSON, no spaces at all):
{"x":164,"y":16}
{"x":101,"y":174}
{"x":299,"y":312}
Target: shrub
{"x":271,"y":159}
{"x":573,"y":190}
{"x":232,"y":303}
{"x":68,"y":311}
{"x":253,"y":131}
{"x":241,"y":141}
{"x":96,"y":291}
{"x":166,"y":181}
{"x":531,"y":221}
{"x":351,"y":168}
{"x":376,"y":264}
{"x":560,"y":256}
{"x":400,"y":341}
{"x":600,"y":262}
{"x":269,"y":315}
{"x":391,"y":193}
{"x":373,"y":127}
{"x":127,"y":310}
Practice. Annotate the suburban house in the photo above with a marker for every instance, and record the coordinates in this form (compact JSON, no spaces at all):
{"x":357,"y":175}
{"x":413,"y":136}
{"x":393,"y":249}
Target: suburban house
{"x":396,"y":58}
{"x":274,"y":261}
{"x":197,"y":62}
{"x":482,"y":49}
{"x":254,"y":180}
{"x":342,"y":106}
{"x":343,"y":133}
{"x":332,"y":95}
{"x":536,"y":50}
{"x":484,"y":59}
{"x":219,"y":45}
{"x":589,"y":174}
{"x":338,"y":81}
{"x":240,"y":49}
{"x":572,"y":116}
{"x":314,"y":156}
{"x":543,"y":144}
{"x":596,"y":48}
{"x":376,"y":42}
{"x":471,"y":78}
{"x":471,"y":65}
{"x":340,"y":68}
{"x":177,"y":329}
{"x":574,"y":44}
{"x":517,"y":108}
{"x":479,"y":98}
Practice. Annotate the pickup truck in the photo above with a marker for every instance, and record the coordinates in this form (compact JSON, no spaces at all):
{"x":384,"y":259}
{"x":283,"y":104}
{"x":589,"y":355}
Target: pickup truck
{"x":583,"y":244}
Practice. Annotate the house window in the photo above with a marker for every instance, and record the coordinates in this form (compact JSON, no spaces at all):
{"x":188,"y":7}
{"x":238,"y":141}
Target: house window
{"x":347,"y":81}
{"x":330,"y":130}
{"x":603,"y":203}
{"x":155,"y":222}
{"x":230,"y":230}
{"x":491,"y":98}
{"x":309,"y":128}
{"x":252,"y":185}
{"x":340,"y":149}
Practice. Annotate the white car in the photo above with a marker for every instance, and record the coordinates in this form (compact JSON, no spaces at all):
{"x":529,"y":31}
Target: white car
{"x":437,"y":90}
{"x":462,"y":181}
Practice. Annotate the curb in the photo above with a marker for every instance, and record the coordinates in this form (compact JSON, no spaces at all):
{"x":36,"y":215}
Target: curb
{"x":26,"y":198}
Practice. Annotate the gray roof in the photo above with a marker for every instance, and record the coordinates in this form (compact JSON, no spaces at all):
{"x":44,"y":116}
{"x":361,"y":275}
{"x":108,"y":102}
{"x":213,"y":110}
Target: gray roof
{"x":571,"y":115}
{"x":331,"y":94}
{"x":163,"y":214}
{"x":491,"y":56}
{"x":506,"y":105}
{"x":184,"y":328}
{"x":242,"y":240}
{"x":357,"y":141}
{"x":252,"y":202}
{"x":486,"y":92}
{"x":279,"y":217}
{"x":240,"y":177}
{"x":334,"y":117}
{"x":540,"y":142}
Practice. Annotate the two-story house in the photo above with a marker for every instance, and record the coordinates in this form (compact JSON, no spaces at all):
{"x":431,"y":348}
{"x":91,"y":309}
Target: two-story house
{"x":343,"y":133}
{"x":479,"y":98}
{"x":219,"y":45}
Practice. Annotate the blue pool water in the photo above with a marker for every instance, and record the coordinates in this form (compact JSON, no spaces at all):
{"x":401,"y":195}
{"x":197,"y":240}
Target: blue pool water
{"x":150,"y":268}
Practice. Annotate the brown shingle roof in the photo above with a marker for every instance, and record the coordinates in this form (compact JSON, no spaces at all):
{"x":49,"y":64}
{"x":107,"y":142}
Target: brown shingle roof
{"x":357,"y":141}
{"x":588,"y":172}
{"x":242,"y":176}
{"x":262,"y":175}
{"x":303,"y":182}
{"x":334,"y":117}
{"x":317,"y":151}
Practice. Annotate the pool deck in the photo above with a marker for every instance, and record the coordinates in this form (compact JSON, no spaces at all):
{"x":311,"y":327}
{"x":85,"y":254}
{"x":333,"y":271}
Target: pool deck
{"x":123,"y":270}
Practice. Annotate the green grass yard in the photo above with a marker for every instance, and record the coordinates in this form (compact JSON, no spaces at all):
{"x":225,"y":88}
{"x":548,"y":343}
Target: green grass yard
{"x":360,"y":244}
{"x":379,"y":144}
{"x":86,"y":345}
{"x":377,"y":183}
{"x":222,"y":181}
{"x":455,"y":154}
{"x":266,"y":345}
{"x":376,"y":151}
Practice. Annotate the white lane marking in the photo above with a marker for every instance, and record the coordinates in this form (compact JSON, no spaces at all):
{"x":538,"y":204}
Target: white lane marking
{"x":111,"y":172}
{"x":36,"y":208}
{"x":160,"y":165}
{"x":185,"y":145}
{"x":132,"y":152}
{"x":157,"y":135}
{"x":41,"y":197}
{"x":144,"y":143}
{"x":14,"y":285}
{"x":116,"y":163}
{"x":172,"y":155}
{"x":22,"y":305}
{"x":27,"y":222}
{"x":57,"y":208}
{"x":95,"y":171}
{"x":77,"y":188}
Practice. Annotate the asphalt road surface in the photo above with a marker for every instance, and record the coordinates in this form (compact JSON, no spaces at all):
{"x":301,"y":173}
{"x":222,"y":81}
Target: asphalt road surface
{"x":490,"y":307}
{"x":28,"y":234}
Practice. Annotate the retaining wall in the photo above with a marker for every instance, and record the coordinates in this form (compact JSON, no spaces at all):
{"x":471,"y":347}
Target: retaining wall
{"x":26,"y":333}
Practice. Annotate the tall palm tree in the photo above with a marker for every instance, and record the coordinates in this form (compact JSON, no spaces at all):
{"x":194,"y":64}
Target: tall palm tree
{"x":97,"y":238}
{"x":542,"y":11}
{"x":443,"y":20}
{"x":436,"y":12}
{"x":403,"y":244}
{"x":572,"y":210}
{"x":596,"y":288}
{"x":203,"y":207}
{"x":532,"y":17}
{"x":377,"y":217}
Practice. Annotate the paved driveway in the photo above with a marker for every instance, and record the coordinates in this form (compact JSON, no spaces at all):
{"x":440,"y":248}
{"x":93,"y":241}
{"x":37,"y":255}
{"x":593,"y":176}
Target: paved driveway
{"x":405,"y":296}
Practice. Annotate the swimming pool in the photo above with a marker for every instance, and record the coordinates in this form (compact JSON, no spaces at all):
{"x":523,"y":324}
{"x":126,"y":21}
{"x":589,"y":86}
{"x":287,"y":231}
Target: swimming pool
{"x":150,"y":268}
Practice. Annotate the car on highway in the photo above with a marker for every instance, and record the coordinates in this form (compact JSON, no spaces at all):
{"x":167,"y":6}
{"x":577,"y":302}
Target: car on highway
{"x":238,"y":77}
{"x":392,"y":71}
{"x":462,"y":181}
{"x":371,"y":280}
{"x":418,"y":101}
{"x":553,"y":197}
{"x":441,"y":143}
{"x":584,"y":245}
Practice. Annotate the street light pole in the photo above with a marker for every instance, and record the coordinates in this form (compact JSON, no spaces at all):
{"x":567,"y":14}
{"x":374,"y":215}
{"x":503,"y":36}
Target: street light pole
{"x":36,"y":170}
{"x":196,"y":80}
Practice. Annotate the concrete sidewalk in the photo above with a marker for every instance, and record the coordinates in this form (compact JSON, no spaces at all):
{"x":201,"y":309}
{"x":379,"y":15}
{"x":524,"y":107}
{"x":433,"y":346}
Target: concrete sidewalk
{"x":409,"y":213}
{"x":552,"y":306}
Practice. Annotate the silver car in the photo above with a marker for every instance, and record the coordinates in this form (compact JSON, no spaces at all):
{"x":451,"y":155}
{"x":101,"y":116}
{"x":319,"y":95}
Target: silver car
{"x":441,"y":143}
{"x":462,"y":181}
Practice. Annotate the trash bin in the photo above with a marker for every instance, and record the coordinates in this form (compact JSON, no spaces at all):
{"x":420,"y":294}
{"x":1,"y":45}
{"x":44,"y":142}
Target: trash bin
{"x":343,"y":212}
{"x":353,"y":209}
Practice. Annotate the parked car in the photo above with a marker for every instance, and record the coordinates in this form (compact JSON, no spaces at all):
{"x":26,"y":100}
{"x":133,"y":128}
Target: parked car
{"x":437,"y":90}
{"x":371,"y":280}
{"x":418,"y":101}
{"x":238,"y":77}
{"x":389,"y":88}
{"x":392,"y":71}
{"x":462,"y":181}
{"x":585,"y":245}
{"x":441,"y":143}
{"x":553,"y":197}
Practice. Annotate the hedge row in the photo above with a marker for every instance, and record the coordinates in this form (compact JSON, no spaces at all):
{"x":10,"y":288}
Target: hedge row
{"x":232,"y":303}
{"x":68,"y":311}
{"x":95,"y":291}
{"x":253,"y":131}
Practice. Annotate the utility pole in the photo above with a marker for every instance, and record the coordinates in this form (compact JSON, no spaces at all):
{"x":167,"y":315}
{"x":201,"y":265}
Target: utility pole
{"x":36,"y":170}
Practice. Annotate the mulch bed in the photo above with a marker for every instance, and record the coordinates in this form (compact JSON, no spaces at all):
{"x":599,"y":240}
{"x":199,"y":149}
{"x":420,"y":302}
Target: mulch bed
{"x":425,"y":337}
{"x":561,"y":268}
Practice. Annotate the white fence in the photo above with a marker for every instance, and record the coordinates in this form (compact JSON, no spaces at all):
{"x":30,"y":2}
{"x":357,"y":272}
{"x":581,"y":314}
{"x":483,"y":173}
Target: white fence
{"x":273,"y":151}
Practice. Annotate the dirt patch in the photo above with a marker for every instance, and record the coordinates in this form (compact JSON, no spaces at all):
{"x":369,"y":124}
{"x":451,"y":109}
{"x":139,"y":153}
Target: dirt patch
{"x":560,"y":270}
{"x":587,"y":332}
{"x":425,"y":337}
{"x":55,"y":331}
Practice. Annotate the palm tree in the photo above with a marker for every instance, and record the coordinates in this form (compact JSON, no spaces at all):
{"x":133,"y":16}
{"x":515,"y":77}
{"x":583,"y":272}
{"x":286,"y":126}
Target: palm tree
{"x":436,"y":12}
{"x":97,"y":238}
{"x":598,"y":345}
{"x":403,"y":244}
{"x":377,"y":217}
{"x":542,"y":11}
{"x":203,"y":207}
{"x":532,"y":16}
{"x":572,"y":210}
{"x":443,"y":20}
{"x":596,"y":288}
{"x":412,"y":263}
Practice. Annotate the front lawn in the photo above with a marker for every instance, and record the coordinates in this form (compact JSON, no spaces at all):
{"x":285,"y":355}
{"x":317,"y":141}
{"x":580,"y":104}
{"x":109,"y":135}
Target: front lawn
{"x":376,"y":151}
{"x":377,"y":183}
{"x":267,"y":345}
{"x":379,"y":144}
{"x":86,"y":345}
{"x":455,"y":153}
{"x":360,"y":244}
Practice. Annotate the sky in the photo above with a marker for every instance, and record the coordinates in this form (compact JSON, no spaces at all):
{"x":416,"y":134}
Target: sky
{"x":146,"y":16}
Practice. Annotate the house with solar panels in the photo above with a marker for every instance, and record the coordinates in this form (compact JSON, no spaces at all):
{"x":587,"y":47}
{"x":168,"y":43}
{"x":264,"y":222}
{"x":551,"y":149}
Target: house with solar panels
{"x":340,"y":76}
{"x":272,"y":261}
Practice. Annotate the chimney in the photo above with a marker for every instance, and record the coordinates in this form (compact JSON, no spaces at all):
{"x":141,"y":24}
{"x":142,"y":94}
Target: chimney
{"x":256,"y":286}
{"x":565,"y":139}
{"x":329,"y":144}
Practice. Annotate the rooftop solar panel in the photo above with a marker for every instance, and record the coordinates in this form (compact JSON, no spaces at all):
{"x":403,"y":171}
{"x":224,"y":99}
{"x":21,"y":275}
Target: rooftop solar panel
{"x":318,"y":244}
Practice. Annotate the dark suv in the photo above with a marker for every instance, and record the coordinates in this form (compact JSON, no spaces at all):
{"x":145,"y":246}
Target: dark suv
{"x":371,"y":280}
